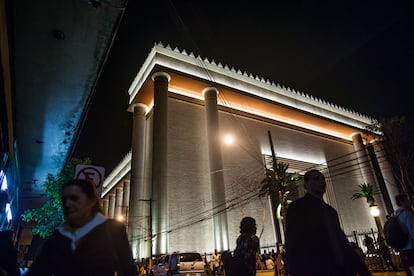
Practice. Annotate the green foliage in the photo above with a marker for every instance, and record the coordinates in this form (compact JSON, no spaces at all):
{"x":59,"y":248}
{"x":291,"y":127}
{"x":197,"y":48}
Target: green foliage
{"x":279,"y":184}
{"x":367,"y":191}
{"x":49,"y":216}
{"x":282,"y":181}
{"x":397,"y":141}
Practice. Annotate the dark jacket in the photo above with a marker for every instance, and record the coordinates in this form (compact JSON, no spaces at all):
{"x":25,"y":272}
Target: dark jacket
{"x":102,"y":251}
{"x":315,"y":242}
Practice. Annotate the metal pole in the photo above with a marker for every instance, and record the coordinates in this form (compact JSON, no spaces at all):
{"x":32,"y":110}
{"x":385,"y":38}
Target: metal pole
{"x":150,"y":236}
{"x":355,"y":237}
{"x":150,"y":231}
{"x":273,"y":191}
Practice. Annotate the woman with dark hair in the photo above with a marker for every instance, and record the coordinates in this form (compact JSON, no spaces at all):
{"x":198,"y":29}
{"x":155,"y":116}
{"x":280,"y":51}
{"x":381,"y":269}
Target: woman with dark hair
{"x":87,"y":243}
{"x":247,"y":247}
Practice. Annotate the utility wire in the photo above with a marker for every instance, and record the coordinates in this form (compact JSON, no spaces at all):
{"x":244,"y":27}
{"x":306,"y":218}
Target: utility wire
{"x":345,"y":167}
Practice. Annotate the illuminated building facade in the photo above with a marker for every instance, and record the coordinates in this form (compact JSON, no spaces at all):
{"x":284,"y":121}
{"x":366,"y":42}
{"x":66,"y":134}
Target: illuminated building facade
{"x":182,"y":188}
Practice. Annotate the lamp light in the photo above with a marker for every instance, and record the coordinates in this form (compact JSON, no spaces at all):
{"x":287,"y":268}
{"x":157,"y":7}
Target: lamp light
{"x":228,"y":139}
{"x":374,"y":210}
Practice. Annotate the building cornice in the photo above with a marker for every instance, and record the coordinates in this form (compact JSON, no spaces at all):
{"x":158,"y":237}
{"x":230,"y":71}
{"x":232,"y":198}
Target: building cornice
{"x":117,"y":174}
{"x":244,"y":91}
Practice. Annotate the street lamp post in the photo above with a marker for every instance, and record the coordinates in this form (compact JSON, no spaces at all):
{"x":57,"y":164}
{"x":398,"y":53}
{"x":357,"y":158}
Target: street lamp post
{"x":375,"y":212}
{"x":276,"y":194}
{"x":150,"y":236}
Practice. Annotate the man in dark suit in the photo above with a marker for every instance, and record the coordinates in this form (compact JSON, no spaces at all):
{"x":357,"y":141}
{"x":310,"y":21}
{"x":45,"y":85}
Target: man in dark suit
{"x":315,"y":243}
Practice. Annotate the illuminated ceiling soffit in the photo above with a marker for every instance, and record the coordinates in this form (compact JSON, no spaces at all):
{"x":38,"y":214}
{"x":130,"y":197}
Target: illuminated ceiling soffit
{"x":223,"y":75}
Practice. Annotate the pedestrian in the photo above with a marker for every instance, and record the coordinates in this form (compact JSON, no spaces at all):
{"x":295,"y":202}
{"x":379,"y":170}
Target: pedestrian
{"x":384,"y":252}
{"x":273,"y":253}
{"x":142,"y":267}
{"x":8,"y":254}
{"x":260,"y":262}
{"x":264,"y":256}
{"x":369,"y":244}
{"x":315,"y":243}
{"x":270,"y":264}
{"x":284,"y":259}
{"x":87,"y":243}
{"x":406,"y":219}
{"x":215,"y":263}
{"x":279,"y":263}
{"x":247,"y":247}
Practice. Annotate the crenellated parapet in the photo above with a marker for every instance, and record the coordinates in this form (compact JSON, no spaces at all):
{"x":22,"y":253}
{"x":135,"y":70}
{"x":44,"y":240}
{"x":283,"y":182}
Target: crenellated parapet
{"x":274,"y":86}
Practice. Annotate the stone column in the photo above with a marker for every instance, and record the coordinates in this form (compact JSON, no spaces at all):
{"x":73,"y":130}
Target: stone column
{"x":105,"y":206}
{"x":366,"y":169}
{"x":137,"y":183}
{"x":111,"y":208}
{"x":159,"y":162}
{"x":125,"y":199}
{"x":118,"y":202}
{"x":216,"y":169}
{"x":386,"y":171}
{"x":363,"y":160}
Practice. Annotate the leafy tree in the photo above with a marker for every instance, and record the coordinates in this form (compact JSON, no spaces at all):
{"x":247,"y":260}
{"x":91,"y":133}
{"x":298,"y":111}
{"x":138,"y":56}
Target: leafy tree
{"x":49,"y":216}
{"x":367,"y":191}
{"x":398,"y":144}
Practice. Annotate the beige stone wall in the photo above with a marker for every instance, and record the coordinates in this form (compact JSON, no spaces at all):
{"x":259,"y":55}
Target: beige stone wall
{"x":190,"y":225}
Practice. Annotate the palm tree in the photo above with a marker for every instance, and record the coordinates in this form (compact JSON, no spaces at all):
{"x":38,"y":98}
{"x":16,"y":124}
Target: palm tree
{"x":278,"y":185}
{"x":367,"y":191}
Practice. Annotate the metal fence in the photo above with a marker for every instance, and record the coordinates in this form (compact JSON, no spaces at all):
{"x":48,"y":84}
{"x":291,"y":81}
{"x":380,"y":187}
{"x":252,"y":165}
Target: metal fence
{"x":375,"y":261}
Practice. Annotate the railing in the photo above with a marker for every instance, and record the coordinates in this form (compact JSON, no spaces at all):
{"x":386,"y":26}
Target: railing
{"x":375,"y":261}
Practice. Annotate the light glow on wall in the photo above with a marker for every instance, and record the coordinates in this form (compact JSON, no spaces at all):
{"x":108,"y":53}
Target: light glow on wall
{"x":8,"y":212}
{"x":134,"y":248}
{"x":279,"y":209}
{"x":189,"y":94}
{"x":296,"y":156}
{"x":228,"y":139}
{"x":5,"y":188}
{"x":4,"y":182}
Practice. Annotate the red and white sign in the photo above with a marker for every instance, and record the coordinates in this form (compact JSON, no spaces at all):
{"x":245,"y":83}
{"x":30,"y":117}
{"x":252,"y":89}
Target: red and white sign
{"x":93,"y":173}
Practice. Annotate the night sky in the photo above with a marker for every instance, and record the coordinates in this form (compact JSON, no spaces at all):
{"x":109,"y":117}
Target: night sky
{"x":357,"y":54}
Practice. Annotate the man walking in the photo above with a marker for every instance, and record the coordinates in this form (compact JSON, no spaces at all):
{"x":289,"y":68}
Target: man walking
{"x":315,"y":242}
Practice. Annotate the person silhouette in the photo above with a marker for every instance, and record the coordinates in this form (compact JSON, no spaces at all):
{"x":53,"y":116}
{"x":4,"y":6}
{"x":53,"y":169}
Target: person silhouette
{"x":369,"y":244}
{"x":215,"y":263}
{"x":247,"y":247}
{"x":405,"y":216}
{"x":315,"y":242}
{"x":384,"y":252}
